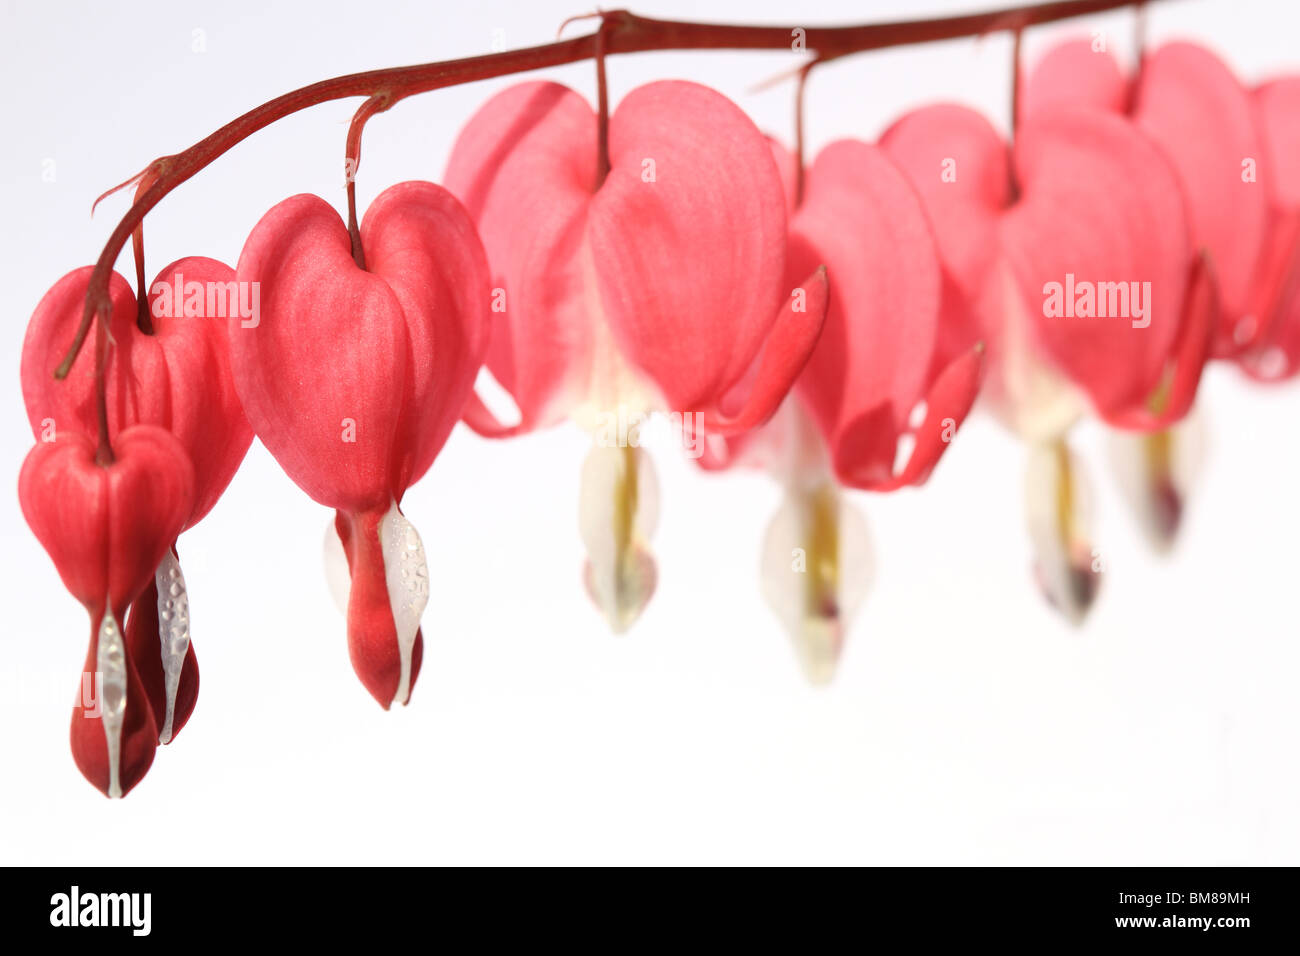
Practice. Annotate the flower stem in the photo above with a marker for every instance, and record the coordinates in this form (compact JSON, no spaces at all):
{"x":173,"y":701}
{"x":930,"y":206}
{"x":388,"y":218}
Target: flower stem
{"x":1016,"y":94}
{"x":352,"y":162}
{"x":602,"y":107}
{"x":104,"y":451}
{"x":619,"y":32}
{"x":801,"y":85}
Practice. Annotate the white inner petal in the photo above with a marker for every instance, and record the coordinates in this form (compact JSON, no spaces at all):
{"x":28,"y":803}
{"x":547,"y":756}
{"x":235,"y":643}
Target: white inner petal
{"x":618,"y":507}
{"x":817,"y":567}
{"x":1028,"y":395}
{"x":407,"y":574}
{"x":173,"y":632}
{"x":110,"y":661}
{"x":1058,"y":500}
{"x":1142,"y":469}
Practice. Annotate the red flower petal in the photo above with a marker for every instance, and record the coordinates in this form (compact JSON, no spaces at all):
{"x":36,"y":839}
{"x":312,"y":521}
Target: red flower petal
{"x":353,"y":380}
{"x":1275,"y":355}
{"x":672,"y":267}
{"x":959,"y":166}
{"x":328,"y":356}
{"x":863,"y":220}
{"x":525,"y":168}
{"x":107,"y":527}
{"x":113,"y":734}
{"x":420,"y":237}
{"x":177,"y":378}
{"x":1193,"y":107}
{"x":342,"y":379}
{"x":1277,"y":291}
{"x":784,"y":356}
{"x":947,"y":404}
{"x":372,"y":630}
{"x":1175,"y":394}
{"x":1278,"y":111}
{"x":873,"y":362}
{"x":1070,"y":75}
{"x":1100,"y":204}
{"x":690,"y":263}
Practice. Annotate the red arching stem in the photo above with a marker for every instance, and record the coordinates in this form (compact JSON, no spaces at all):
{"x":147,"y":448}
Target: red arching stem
{"x":623,"y":32}
{"x":1015,"y":108}
{"x":801,"y":85}
{"x":104,"y":451}
{"x":1016,"y":81}
{"x":143,"y":320}
{"x":602,"y":107}
{"x":1140,"y":31}
{"x":376,"y":104}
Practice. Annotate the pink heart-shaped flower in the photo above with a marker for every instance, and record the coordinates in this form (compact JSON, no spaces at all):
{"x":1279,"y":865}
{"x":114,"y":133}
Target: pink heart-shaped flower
{"x":354,"y":378}
{"x":1276,"y":356}
{"x":176,"y":375}
{"x":1098,"y":208}
{"x":1189,"y":104}
{"x":880,"y":352}
{"x":107,"y":527}
{"x":662,"y":285}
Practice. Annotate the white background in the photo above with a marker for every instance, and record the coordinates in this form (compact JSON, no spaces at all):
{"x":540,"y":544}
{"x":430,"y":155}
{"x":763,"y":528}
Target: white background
{"x":968,"y":723}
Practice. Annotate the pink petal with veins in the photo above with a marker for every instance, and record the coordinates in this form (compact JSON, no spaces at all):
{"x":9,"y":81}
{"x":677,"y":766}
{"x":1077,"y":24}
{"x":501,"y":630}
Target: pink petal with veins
{"x":666,"y":279}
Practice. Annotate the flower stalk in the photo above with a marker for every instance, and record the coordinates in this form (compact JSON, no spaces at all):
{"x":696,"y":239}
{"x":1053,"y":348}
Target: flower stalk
{"x":619,"y":32}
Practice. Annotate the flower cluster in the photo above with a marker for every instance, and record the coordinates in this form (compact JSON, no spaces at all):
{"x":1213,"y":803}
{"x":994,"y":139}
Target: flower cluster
{"x":833,"y":325}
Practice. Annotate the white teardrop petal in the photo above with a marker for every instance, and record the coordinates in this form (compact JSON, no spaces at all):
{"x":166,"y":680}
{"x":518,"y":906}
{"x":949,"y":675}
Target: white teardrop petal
{"x":617,"y":511}
{"x":817,"y":567}
{"x":1156,"y":473}
{"x":1058,"y":506}
{"x":110,"y":661}
{"x":173,"y":632}
{"x":407,"y":573}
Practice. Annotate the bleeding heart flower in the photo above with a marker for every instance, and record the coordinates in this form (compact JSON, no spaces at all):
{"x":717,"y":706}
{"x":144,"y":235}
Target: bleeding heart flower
{"x":107,"y":527}
{"x":176,"y":375}
{"x":353,"y":380}
{"x":1276,"y":355}
{"x":1081,"y":278}
{"x":1189,"y":103}
{"x":877,"y":364}
{"x":661,"y":287}
{"x":879,"y":356}
{"x":173,"y":373}
{"x":1085,"y":274}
